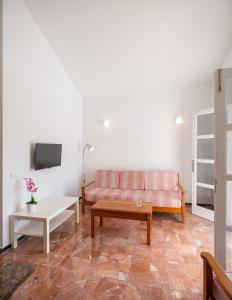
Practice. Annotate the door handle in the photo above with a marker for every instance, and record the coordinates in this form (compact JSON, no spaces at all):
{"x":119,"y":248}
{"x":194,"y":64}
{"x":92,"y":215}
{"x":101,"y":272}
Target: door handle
{"x":215,"y":186}
{"x":193,"y":165}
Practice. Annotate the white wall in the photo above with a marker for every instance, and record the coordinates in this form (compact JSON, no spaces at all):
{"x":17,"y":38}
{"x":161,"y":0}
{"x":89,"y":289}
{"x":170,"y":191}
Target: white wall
{"x":227,"y":61}
{"x":41,"y":104}
{"x":143,"y":134}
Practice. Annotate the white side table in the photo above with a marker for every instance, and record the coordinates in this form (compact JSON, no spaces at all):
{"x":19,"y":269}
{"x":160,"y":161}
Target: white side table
{"x":51,"y":212}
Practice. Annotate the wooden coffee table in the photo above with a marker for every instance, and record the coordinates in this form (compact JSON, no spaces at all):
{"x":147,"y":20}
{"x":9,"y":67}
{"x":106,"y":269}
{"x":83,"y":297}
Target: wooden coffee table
{"x":122,"y":209}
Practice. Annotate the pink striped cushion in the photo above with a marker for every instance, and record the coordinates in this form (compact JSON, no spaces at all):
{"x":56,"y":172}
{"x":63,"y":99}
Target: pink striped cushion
{"x":166,"y":199}
{"x":113,"y":194}
{"x":161,"y":181}
{"x":107,"y":179}
{"x":158,"y":198}
{"x":132,"y":180}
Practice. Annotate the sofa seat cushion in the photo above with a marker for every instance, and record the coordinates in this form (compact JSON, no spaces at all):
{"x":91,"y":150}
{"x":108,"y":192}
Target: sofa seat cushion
{"x":132,"y":180}
{"x":95,"y":194}
{"x":158,"y":198}
{"x":161,"y":181}
{"x":107,"y":179}
{"x":170,"y":199}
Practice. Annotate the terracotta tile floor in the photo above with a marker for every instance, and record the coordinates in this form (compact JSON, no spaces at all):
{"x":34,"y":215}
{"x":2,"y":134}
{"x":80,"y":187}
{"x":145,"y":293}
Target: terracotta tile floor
{"x":117,"y":264}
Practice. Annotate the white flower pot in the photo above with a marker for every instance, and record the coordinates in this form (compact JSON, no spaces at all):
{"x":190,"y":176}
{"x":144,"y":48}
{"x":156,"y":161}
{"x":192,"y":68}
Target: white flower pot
{"x":31,"y":208}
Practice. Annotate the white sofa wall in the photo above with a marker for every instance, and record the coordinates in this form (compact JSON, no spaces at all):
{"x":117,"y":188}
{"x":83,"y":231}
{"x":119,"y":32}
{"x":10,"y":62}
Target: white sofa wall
{"x":227,"y":61}
{"x":143,"y":134}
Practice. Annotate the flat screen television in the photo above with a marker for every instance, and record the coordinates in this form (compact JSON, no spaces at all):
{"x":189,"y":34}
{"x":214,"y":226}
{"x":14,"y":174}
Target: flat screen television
{"x":47,"y":155}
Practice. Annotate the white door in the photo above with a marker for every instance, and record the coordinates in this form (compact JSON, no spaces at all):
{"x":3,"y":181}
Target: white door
{"x":203,"y":164}
{"x":223,"y":168}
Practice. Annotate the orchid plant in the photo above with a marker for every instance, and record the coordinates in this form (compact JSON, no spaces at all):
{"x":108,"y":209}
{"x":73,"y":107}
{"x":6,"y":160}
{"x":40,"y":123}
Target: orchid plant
{"x":31,"y":188}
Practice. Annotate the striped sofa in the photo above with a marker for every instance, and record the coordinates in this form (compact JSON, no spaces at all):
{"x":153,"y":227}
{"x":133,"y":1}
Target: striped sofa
{"x":162,"y":188}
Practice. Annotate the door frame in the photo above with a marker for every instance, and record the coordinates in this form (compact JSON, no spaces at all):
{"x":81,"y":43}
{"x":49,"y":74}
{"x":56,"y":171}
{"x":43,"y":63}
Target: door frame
{"x":221,"y":176}
{"x":196,"y":209}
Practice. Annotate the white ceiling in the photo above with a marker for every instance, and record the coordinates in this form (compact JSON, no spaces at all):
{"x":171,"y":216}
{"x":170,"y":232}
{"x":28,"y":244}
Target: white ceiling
{"x":129,"y":46}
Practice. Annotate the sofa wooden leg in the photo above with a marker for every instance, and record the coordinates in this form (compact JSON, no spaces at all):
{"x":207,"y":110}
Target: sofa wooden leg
{"x":83,"y":207}
{"x":183,"y":214}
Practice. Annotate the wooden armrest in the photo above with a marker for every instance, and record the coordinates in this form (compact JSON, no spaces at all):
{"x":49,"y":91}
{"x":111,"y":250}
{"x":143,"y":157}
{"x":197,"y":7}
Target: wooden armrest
{"x":221,"y":276}
{"x":85,"y":186}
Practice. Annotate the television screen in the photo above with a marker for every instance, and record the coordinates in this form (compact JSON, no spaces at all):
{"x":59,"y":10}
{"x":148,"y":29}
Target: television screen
{"x":47,"y":155}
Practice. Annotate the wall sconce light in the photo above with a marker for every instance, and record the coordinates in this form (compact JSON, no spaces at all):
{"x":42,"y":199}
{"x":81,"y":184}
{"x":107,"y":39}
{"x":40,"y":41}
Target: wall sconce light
{"x":106,"y":123}
{"x":179,"y":120}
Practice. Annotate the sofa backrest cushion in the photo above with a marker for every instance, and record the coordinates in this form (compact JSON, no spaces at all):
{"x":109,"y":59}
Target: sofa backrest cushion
{"x":132,"y":180}
{"x":161,"y":181}
{"x":107,"y":179}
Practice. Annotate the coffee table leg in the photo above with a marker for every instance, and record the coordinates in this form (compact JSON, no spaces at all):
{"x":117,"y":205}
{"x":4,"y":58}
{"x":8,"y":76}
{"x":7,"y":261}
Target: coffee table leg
{"x":149,"y":223}
{"x":92,"y":223}
{"x":77,"y":211}
{"x":101,"y":221}
{"x":14,"y":242}
{"x":46,"y":239}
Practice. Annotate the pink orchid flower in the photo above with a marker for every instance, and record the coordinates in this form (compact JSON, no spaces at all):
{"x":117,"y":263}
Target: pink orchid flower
{"x":30,"y":185}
